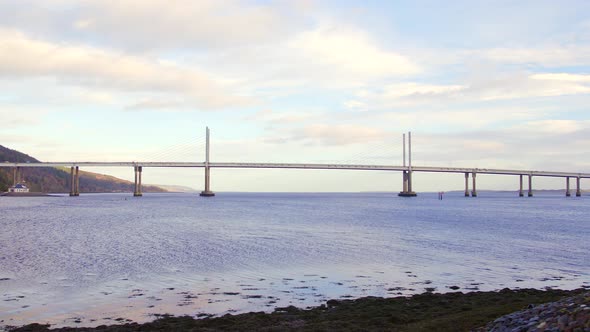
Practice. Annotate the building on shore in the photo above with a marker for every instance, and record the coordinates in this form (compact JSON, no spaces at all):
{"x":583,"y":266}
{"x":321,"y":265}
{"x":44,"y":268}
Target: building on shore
{"x":18,"y":188}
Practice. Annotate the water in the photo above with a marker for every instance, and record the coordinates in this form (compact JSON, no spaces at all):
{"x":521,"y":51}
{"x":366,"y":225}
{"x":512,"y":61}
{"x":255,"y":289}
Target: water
{"x":105,"y":258}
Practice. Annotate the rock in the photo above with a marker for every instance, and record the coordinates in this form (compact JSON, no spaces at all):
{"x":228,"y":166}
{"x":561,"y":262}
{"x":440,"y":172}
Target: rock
{"x":562,"y":321}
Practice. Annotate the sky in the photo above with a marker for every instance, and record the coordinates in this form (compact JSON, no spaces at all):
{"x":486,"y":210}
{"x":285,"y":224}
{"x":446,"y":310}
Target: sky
{"x":487,"y":84}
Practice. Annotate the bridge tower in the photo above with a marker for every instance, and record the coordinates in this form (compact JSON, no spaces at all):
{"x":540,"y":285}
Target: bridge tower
{"x":207,"y":192}
{"x":75,"y":181}
{"x":407,"y":174}
{"x":137,"y":192}
{"x":16,"y":175}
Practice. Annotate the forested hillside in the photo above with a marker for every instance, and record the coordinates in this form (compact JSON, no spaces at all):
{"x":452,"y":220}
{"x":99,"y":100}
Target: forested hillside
{"x":54,"y":180}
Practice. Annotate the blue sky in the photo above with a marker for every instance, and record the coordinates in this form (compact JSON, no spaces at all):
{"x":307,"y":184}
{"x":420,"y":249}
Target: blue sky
{"x":499,"y":84}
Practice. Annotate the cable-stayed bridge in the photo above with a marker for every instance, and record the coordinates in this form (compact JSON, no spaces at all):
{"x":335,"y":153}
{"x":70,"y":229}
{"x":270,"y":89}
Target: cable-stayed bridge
{"x":407,"y":170}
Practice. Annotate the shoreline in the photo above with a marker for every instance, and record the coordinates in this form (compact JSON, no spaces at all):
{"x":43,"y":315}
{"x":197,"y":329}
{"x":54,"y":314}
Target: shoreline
{"x":29,"y":194}
{"x":455,"y":311}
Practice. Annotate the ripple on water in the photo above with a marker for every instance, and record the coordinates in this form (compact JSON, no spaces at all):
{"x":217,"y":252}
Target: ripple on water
{"x":93,"y":260}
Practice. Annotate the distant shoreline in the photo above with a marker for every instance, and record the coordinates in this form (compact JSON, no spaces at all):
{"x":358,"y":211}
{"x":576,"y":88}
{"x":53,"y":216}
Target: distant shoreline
{"x":10,"y":194}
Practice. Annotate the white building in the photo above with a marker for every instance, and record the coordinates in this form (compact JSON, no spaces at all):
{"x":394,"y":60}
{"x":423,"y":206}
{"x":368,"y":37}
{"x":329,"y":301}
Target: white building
{"x":18,"y":188}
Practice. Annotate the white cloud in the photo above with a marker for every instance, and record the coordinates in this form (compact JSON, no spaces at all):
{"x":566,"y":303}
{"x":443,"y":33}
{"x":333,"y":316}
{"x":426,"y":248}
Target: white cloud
{"x":21,"y":56}
{"x":553,"y":126}
{"x":283,"y":118}
{"x":418,"y":90}
{"x":19,"y":116}
{"x":323,"y":134}
{"x":334,"y":57}
{"x":155,"y":24}
{"x":83,"y":24}
{"x":446,"y":118}
{"x":548,"y":144}
{"x":478,"y":89}
{"x":352,"y":51}
{"x":355,"y":105}
{"x":547,"y":55}
{"x":562,"y":77}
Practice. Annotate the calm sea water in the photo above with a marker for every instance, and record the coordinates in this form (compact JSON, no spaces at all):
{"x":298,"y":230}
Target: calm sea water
{"x":103,"y":258}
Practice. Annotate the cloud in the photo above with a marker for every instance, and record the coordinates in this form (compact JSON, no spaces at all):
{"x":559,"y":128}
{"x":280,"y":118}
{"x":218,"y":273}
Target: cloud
{"x":24,"y":57}
{"x":290,"y":47}
{"x":154,"y":104}
{"x":282,"y":118}
{"x":548,"y":55}
{"x":441,"y":118}
{"x":20,"y":117}
{"x":322,"y":134}
{"x":537,"y":144}
{"x":553,"y":126}
{"x":566,"y":77}
{"x":352,"y":51}
{"x":152,"y":25}
{"x":478,"y":89}
{"x":327,"y":57}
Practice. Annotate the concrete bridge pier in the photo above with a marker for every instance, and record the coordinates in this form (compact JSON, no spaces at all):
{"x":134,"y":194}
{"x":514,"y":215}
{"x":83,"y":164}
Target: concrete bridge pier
{"x":578,"y":190}
{"x":466,"y":184}
{"x":407,"y":175}
{"x":520,"y":191}
{"x":74,"y":181}
{"x":207,"y":192}
{"x":137,"y":191}
{"x":474,"y":191}
{"x":405,"y":180}
{"x":567,"y":187}
{"x":15,"y":176}
{"x":407,"y":188}
{"x":77,"y":178}
{"x":530,"y":194}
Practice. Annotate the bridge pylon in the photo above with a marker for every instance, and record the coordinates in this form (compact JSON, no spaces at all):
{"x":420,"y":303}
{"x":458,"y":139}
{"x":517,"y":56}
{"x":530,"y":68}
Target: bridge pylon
{"x":137,"y":192}
{"x":207,"y":192}
{"x":75,"y":181}
{"x":407,"y":174}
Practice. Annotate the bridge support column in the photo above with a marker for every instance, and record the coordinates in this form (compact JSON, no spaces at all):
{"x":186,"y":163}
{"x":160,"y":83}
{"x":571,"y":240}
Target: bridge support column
{"x":520,"y":191}
{"x":72,"y":181}
{"x":405,"y":180}
{"x":530,"y":194}
{"x":474,"y":191}
{"x":567,"y":187}
{"x":77,"y":182}
{"x":578,"y":190}
{"x":466,"y":184}
{"x":15,"y":175}
{"x":407,"y":175}
{"x":137,"y":191}
{"x":207,"y":192}
{"x":407,"y":188}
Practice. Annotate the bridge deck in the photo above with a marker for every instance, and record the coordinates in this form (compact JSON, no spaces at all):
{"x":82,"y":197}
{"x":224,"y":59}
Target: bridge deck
{"x":303,"y":166}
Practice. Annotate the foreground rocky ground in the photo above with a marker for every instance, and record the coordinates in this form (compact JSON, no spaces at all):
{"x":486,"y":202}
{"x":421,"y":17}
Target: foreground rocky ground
{"x":423,"y":312}
{"x":569,"y":314}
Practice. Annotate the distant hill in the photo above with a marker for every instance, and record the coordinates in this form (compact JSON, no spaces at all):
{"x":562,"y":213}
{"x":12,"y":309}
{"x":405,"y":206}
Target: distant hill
{"x":57,"y":180}
{"x":178,"y":189}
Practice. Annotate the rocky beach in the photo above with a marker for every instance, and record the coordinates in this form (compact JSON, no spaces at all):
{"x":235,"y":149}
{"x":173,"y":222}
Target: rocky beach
{"x":504,"y":310}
